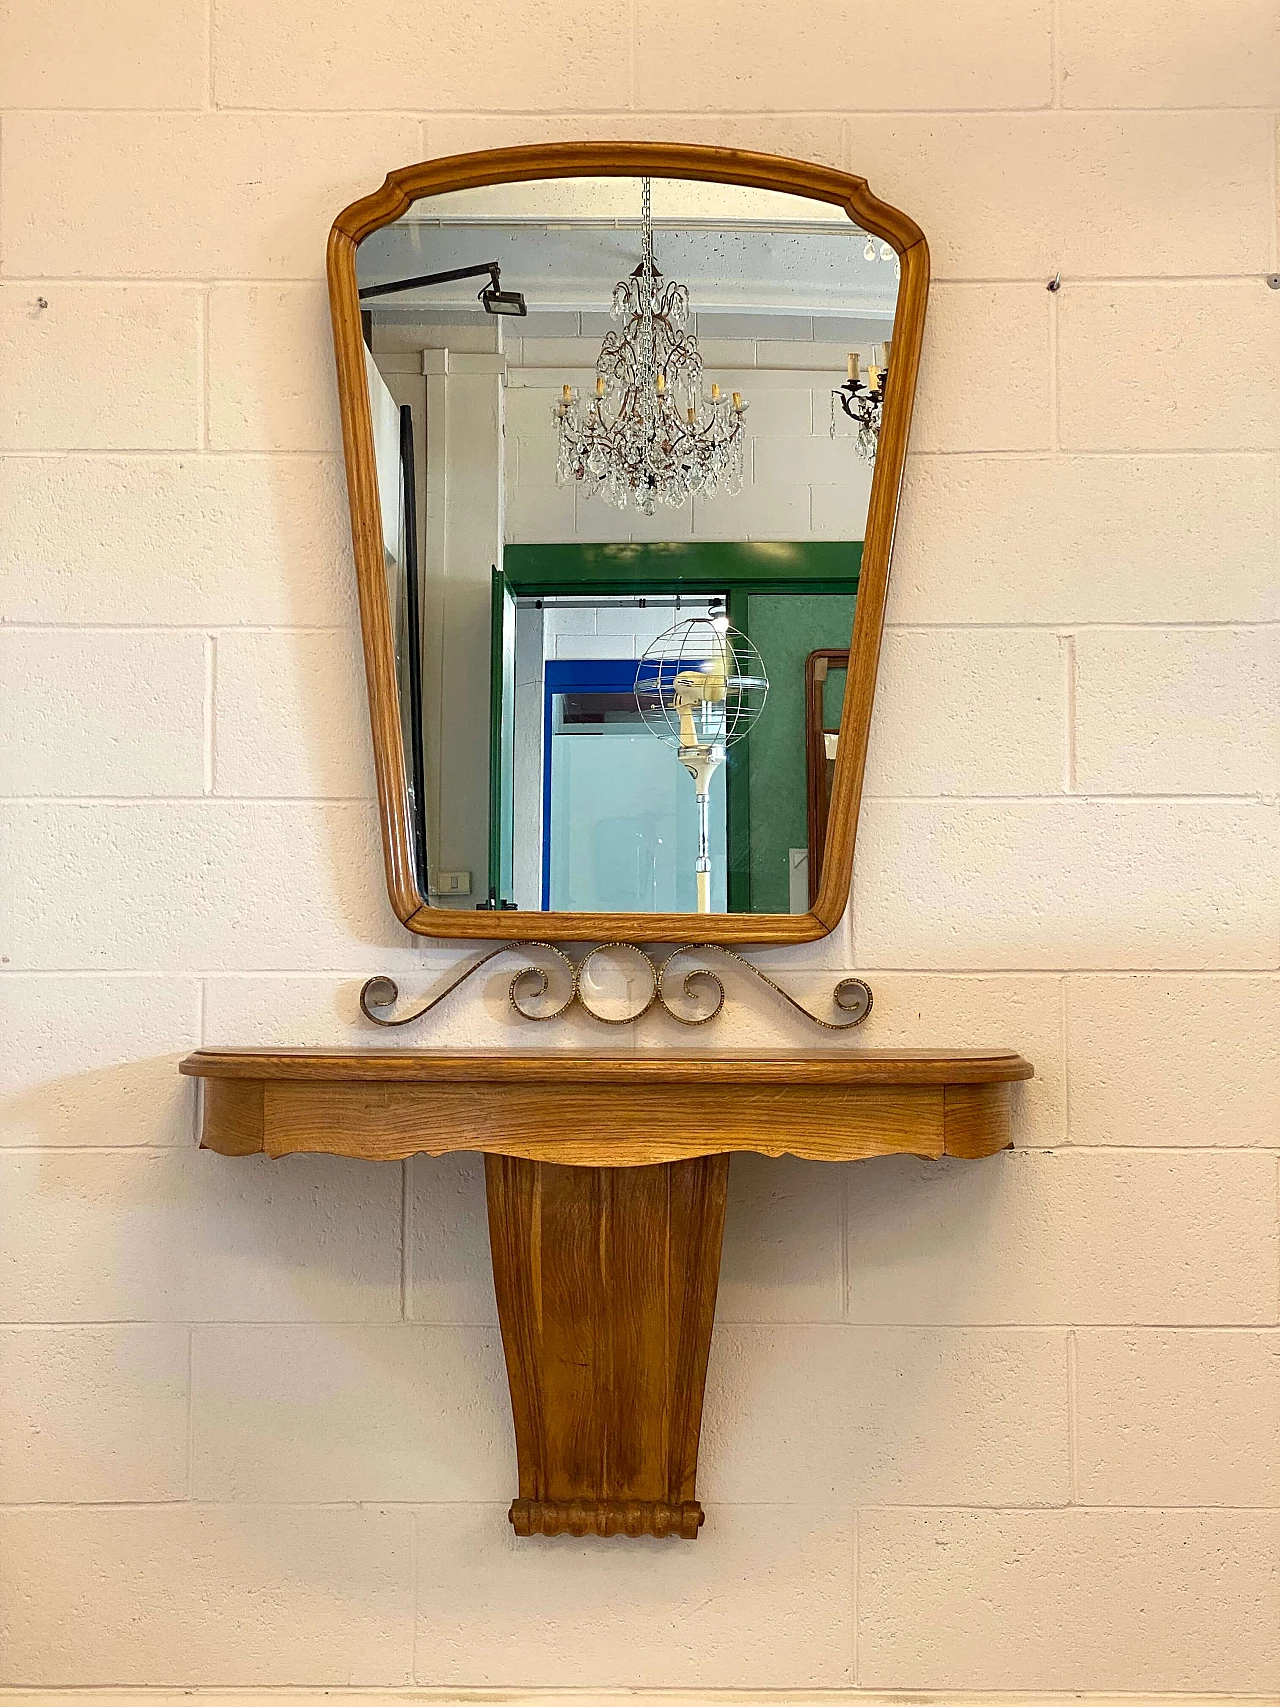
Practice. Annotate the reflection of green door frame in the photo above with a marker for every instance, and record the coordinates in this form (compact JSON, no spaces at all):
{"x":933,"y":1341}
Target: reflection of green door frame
{"x":736,"y":568}
{"x":502,"y":719}
{"x":690,"y":566}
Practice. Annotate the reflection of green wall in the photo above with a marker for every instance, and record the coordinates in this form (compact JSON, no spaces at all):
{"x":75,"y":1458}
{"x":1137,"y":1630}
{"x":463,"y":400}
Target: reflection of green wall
{"x":784,"y":628}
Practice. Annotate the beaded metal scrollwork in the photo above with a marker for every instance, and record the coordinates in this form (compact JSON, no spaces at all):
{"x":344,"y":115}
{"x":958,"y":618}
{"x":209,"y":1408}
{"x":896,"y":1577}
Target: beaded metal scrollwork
{"x":693,"y":997}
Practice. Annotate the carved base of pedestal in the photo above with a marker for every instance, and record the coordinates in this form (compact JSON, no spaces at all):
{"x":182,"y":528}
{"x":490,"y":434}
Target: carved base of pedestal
{"x":606,"y":1517}
{"x":606,"y":1284}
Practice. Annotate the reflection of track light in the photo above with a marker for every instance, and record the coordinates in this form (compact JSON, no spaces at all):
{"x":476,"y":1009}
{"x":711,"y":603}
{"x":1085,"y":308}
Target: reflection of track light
{"x":494,"y":298}
{"x":497,"y":301}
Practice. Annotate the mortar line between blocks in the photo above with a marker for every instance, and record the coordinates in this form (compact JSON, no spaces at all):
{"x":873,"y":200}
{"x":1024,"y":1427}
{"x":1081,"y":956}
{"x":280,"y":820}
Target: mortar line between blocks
{"x":1045,"y":1508}
{"x":443,"y":965}
{"x":1254,"y":1330}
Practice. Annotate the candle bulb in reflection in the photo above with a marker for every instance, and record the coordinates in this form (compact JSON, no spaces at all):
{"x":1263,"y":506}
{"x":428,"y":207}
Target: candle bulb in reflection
{"x":662,"y":384}
{"x":566,"y":393}
{"x":737,"y":401}
{"x":690,"y":413}
{"x":715,"y":392}
{"x":599,"y":385}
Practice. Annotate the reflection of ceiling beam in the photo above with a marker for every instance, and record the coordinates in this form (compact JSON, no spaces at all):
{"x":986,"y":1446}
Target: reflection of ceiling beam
{"x":739,"y":268}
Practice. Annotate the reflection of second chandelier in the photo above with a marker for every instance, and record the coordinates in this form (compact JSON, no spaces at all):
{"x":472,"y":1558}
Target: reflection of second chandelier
{"x":863,"y":400}
{"x":649,"y":436}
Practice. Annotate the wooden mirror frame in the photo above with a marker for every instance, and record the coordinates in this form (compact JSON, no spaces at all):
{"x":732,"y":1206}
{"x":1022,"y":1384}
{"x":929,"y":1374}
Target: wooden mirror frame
{"x":598,"y":160}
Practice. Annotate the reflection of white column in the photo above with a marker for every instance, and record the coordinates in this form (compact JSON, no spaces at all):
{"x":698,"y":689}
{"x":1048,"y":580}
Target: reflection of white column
{"x":464,"y":530}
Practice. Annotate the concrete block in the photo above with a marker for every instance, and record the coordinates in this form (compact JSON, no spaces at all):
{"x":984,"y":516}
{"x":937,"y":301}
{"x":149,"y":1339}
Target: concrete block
{"x":101,"y":712}
{"x":176,"y":1237}
{"x":1067,"y":539}
{"x":1105,"y":1601}
{"x":1045,"y":884}
{"x":1174,"y":1061}
{"x":984,"y":370}
{"x":247,"y":195}
{"x":1150,"y":54}
{"x":1184,"y":1418}
{"x":814,"y":58}
{"x":93,"y":1414}
{"x":890,"y":1416}
{"x":965,"y":713}
{"x":762,"y":1600}
{"x":783,"y":1258}
{"x":304,"y":1415}
{"x":1168,"y":366}
{"x":190,"y":1595}
{"x":228,"y":885}
{"x":194,"y":540}
{"x":1096,"y":195}
{"x":148,"y":53}
{"x":448,"y":1275}
{"x":274,"y":56}
{"x":272,"y":385}
{"x":102,"y":367}
{"x":93,"y":1061}
{"x":1050,"y":1239}
{"x":291,"y":715}
{"x":1178,"y":711}
{"x":801,"y":136}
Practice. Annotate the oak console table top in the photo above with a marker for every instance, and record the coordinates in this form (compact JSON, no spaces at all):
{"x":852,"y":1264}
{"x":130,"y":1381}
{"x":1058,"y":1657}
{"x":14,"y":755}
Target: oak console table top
{"x":623,"y":1109}
{"x":606,"y":1177}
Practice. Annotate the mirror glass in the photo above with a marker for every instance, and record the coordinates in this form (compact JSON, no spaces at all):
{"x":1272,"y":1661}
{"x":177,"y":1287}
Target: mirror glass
{"x":624,"y":433}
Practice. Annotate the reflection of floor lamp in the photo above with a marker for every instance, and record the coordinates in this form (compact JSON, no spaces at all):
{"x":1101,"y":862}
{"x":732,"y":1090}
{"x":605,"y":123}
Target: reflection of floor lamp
{"x":699,"y":688}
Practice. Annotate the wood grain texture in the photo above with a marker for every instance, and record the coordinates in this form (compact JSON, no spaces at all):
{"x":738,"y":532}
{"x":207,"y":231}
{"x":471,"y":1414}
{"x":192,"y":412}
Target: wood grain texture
{"x":612,"y":159}
{"x":235,"y":1110}
{"x":613,"y":1066}
{"x":606,"y":1284}
{"x":607,"y":1111}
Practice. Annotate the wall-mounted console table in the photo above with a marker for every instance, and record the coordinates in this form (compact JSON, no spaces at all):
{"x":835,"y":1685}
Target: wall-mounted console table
{"x":607,"y":1177}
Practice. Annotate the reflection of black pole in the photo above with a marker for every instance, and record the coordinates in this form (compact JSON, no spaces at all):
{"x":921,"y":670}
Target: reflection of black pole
{"x":417,"y":758}
{"x":423,"y":279}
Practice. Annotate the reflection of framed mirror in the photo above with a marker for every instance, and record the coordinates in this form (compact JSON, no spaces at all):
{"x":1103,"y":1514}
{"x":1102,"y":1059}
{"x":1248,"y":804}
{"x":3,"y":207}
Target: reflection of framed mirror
{"x":826,"y":671}
{"x":630,"y":419}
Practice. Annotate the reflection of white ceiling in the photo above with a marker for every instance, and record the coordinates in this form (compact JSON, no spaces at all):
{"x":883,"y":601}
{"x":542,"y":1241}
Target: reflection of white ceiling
{"x":619,"y":198}
{"x":565,"y":243}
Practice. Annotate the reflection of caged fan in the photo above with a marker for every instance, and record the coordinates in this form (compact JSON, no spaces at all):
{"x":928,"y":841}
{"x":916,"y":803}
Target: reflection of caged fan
{"x":700,"y":687}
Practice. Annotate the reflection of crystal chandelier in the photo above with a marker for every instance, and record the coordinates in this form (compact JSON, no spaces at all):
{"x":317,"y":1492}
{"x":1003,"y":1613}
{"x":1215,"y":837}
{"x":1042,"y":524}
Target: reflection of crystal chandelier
{"x":863,"y":401}
{"x":649,"y":436}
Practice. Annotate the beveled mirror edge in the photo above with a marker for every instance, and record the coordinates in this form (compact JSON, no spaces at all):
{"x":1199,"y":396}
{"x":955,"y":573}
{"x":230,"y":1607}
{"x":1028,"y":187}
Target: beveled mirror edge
{"x":397,"y":194}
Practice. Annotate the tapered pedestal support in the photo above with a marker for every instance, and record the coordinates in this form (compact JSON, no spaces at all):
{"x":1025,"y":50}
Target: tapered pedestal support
{"x":606,"y":1282}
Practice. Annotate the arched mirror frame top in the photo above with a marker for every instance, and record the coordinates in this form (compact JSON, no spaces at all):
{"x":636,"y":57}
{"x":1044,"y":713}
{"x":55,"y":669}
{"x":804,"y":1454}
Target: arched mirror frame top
{"x":623,"y":159}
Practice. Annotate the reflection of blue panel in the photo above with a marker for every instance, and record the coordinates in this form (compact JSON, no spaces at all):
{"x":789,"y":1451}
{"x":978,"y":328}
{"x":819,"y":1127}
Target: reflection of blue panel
{"x":620,"y":820}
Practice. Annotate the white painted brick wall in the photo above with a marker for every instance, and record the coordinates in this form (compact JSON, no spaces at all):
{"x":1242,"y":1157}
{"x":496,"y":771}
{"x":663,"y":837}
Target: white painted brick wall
{"x":982,"y":1427}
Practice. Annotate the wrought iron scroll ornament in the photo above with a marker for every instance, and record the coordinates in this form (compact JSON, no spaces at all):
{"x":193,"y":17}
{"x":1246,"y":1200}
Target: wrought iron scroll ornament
{"x":697,"y":989}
